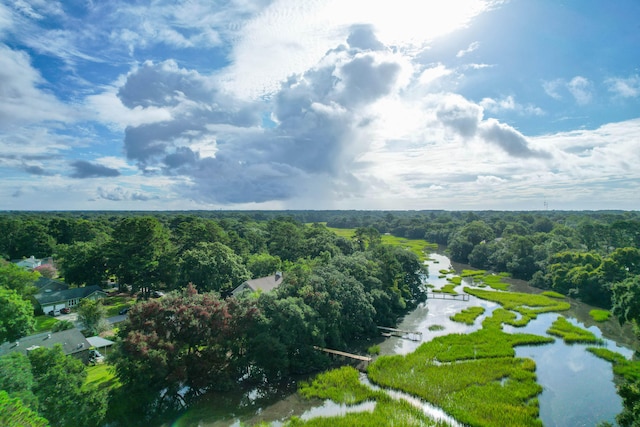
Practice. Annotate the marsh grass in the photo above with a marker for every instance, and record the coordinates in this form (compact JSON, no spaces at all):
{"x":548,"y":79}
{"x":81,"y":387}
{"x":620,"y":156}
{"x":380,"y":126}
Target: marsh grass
{"x":494,"y":281}
{"x":473,"y":377}
{"x":468,"y":315}
{"x":449,"y":288}
{"x":343,"y":386}
{"x":628,"y":369}
{"x":553,"y":294}
{"x":528,"y":305}
{"x":600,"y":315}
{"x":473,"y":273}
{"x":571,"y":334}
{"x":456,"y":280}
{"x":374,"y":349}
{"x":434,"y":328}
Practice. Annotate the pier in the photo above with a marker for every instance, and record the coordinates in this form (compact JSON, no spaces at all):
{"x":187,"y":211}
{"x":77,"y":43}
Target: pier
{"x":444,"y":295}
{"x":364,"y":359}
{"x":412,"y":335}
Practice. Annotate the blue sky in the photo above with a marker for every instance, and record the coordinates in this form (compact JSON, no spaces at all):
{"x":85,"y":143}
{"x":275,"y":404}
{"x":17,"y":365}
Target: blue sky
{"x":258,"y":104}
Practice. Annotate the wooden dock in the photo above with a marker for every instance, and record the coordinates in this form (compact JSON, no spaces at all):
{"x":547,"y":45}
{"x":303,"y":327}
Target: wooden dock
{"x":444,"y":295}
{"x":364,"y":359}
{"x":412,"y":335}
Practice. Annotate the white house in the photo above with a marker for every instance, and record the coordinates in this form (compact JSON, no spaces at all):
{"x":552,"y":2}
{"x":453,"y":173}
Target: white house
{"x":264,"y":284}
{"x":52,"y":301}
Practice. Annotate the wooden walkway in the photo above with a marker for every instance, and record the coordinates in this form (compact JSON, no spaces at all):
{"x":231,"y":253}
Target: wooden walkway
{"x":444,"y":295}
{"x":364,"y":359}
{"x":412,"y":335}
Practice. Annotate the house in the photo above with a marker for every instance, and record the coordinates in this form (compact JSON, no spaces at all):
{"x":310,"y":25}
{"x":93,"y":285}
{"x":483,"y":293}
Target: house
{"x":100,"y":343}
{"x":44,"y":284}
{"x":72,"y":341}
{"x":51,"y":301}
{"x":29,"y":263}
{"x":263,"y":284}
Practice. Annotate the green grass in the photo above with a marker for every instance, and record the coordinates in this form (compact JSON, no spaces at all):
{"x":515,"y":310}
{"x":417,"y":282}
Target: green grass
{"x":44,"y":323}
{"x":473,"y":377}
{"x":473,"y":273}
{"x":101,"y":376}
{"x":570,"y":333}
{"x":447,"y":289}
{"x":468,"y":315}
{"x":493,"y":281}
{"x":628,"y":369}
{"x":600,"y":315}
{"x":553,"y":294}
{"x":113,"y":305}
{"x":434,"y":328}
{"x":374,"y":349}
{"x":528,"y":305}
{"x":343,"y":386}
{"x":417,"y":246}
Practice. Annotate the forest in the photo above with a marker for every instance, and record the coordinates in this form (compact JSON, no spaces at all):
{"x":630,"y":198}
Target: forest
{"x":336,"y":290}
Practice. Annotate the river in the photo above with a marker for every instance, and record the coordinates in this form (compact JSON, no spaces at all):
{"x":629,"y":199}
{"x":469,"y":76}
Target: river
{"x":578,"y":388}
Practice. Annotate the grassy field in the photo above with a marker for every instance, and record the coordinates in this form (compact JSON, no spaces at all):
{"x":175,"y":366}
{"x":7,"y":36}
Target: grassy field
{"x":570,"y":333}
{"x":113,"y":305}
{"x":417,"y":246}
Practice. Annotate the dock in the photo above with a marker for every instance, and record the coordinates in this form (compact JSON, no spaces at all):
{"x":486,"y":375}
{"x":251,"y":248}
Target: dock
{"x":444,"y":295}
{"x":412,"y":335}
{"x":364,"y":359}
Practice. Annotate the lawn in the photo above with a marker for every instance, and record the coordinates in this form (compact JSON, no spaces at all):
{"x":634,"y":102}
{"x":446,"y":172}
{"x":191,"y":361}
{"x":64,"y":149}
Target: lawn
{"x":101,"y":376}
{"x":45,"y":323}
{"x":113,"y":305}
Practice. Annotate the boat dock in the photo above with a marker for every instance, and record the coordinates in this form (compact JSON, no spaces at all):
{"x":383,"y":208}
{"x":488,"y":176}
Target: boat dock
{"x":412,"y":335}
{"x":444,"y":295}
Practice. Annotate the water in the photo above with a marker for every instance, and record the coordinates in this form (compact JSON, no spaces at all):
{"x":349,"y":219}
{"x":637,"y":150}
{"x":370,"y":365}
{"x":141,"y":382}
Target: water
{"x":578,"y":388}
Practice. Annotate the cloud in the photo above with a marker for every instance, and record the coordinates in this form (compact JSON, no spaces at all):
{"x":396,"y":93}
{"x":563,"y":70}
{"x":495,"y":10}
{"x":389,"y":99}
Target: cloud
{"x":23,"y":101}
{"x":84,"y":169}
{"x":624,"y":87}
{"x":580,"y":88}
{"x":507,"y":138}
{"x":473,"y":46}
{"x":460,"y":115}
{"x":36,"y":170}
{"x":118,"y":194}
{"x":509,"y":103}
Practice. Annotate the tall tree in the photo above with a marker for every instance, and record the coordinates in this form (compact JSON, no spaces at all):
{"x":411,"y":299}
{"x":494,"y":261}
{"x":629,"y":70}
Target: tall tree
{"x":16,"y":378}
{"x":16,"y":316}
{"x":92,"y":314}
{"x":141,"y":254}
{"x":13,"y":413}
{"x":61,"y":396}
{"x":17,"y":278}
{"x":83,"y":262}
{"x":212,"y":267}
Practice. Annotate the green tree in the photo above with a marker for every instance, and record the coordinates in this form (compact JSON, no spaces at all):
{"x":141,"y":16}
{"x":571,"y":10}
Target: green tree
{"x":263,"y":264}
{"x":13,"y":413}
{"x":83,"y":262}
{"x":285,"y":240}
{"x":17,"y":279}
{"x":630,"y":393}
{"x":16,"y":378}
{"x":61,"y":396}
{"x":466,"y":238}
{"x":92,"y":314}
{"x":16,"y":316}
{"x":212,"y":267}
{"x":626,"y":301}
{"x":141,"y":254}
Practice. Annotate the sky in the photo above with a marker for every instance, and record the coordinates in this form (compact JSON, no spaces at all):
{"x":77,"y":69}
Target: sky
{"x":319,"y":104}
